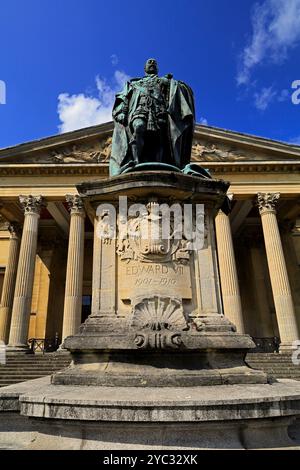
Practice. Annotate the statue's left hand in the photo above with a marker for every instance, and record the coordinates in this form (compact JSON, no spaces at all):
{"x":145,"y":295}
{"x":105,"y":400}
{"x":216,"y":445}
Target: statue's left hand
{"x":121,"y":119}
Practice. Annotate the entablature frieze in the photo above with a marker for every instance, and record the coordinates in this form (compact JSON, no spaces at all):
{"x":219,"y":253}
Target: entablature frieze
{"x":103,"y":168}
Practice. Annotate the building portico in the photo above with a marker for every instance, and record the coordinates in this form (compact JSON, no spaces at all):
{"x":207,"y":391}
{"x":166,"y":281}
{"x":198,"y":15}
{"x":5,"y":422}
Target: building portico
{"x":46,"y":237}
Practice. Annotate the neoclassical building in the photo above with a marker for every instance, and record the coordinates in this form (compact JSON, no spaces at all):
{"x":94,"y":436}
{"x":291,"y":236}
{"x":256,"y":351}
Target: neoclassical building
{"x":46,"y":235}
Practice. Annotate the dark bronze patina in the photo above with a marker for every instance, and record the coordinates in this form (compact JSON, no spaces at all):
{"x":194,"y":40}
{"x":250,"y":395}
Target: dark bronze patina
{"x":154,"y":123}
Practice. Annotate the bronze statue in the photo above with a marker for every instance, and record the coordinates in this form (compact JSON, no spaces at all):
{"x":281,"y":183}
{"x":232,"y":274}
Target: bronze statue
{"x":154,"y":122}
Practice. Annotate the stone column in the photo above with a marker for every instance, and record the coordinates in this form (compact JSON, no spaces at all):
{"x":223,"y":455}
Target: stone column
{"x":74,"y":278}
{"x":25,"y":274}
{"x":9,"y":282}
{"x":286,"y":230}
{"x":283,"y":301}
{"x":228,"y":273}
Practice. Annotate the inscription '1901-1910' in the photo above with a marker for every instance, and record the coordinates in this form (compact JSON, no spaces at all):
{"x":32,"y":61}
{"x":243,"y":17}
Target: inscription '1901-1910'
{"x":138,"y":278}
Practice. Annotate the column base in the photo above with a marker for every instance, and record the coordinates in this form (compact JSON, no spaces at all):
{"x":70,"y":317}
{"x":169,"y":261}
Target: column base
{"x":61,"y":349}
{"x":289,"y":348}
{"x":23,"y":349}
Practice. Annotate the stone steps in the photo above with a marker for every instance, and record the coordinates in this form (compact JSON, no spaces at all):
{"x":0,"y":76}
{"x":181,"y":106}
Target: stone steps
{"x":21,"y":378}
{"x":24,"y":372}
{"x":274,"y":364}
{"x":19,"y":368}
{"x":32,"y":366}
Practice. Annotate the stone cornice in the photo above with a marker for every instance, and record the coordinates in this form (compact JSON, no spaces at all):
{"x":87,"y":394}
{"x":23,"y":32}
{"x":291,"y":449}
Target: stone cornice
{"x":253,"y":167}
{"x":22,"y":169}
{"x":54,"y":169}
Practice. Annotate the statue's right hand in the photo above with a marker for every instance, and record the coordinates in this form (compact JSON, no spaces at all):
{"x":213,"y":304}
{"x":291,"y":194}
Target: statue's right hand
{"x":121,"y":118}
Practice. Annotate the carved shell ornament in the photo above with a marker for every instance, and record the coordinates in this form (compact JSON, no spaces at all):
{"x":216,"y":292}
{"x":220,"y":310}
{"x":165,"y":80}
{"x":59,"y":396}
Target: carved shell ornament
{"x":159,"y":321}
{"x":157,"y":313}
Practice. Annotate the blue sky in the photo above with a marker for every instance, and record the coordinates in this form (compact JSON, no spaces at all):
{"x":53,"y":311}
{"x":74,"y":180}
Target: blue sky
{"x":63,"y":60}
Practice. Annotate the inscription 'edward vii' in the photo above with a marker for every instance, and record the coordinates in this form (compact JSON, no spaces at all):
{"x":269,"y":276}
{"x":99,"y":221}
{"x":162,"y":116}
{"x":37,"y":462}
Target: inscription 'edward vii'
{"x":161,"y":278}
{"x":153,"y":269}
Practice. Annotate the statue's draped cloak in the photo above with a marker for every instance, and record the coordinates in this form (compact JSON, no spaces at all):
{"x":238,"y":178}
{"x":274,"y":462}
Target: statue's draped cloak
{"x":181,"y":119}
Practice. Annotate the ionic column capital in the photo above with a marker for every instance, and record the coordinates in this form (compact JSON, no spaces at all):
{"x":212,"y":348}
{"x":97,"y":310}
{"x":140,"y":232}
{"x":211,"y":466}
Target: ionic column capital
{"x":32,"y":205}
{"x":267,"y":202}
{"x":75,"y":204}
{"x":15,"y":230}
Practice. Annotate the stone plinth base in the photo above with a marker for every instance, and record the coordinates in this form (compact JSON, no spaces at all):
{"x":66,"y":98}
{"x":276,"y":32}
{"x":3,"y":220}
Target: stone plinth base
{"x":148,"y":369}
{"x":224,"y":417}
{"x":105,"y":353}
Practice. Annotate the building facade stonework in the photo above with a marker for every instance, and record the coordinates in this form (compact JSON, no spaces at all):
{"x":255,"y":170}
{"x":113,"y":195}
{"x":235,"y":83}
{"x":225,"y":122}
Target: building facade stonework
{"x":46,"y":234}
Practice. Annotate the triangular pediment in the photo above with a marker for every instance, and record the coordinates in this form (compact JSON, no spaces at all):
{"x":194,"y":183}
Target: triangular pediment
{"x":93,"y":146}
{"x":220,"y":145}
{"x":90,"y":145}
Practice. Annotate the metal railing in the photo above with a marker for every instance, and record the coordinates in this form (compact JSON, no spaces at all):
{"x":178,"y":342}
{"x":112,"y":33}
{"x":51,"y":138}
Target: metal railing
{"x":44,"y":345}
{"x":266,"y":345}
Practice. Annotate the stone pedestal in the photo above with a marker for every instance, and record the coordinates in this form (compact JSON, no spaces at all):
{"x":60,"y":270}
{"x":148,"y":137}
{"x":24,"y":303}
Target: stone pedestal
{"x":156,"y":313}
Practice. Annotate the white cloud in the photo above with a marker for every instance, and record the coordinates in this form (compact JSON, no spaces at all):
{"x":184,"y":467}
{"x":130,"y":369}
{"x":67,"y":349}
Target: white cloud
{"x":276,"y":29}
{"x":82,"y":110}
{"x":263,"y":98}
{"x":2,"y":92}
{"x":268,"y":95}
